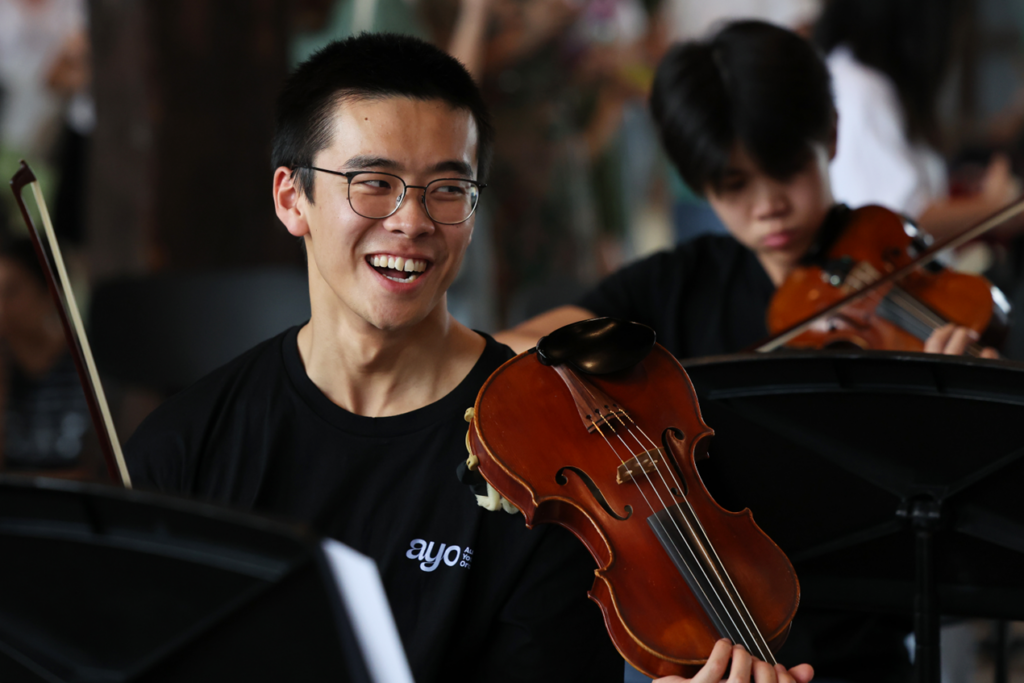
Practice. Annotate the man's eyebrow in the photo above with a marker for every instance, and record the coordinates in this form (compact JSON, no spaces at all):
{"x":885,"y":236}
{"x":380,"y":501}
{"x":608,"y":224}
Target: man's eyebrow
{"x":454,"y":166}
{"x":361,"y":161}
{"x":366,"y":161}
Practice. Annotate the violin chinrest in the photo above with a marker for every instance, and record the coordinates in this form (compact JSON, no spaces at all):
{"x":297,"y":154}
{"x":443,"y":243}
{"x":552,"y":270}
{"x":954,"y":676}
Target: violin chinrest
{"x":598,"y":346}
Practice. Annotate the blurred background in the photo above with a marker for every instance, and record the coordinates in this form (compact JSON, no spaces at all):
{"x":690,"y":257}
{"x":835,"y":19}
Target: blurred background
{"x":149,"y":124}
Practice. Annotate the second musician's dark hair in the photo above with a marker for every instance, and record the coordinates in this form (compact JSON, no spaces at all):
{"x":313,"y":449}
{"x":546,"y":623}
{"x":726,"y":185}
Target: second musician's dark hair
{"x":367,"y":67}
{"x":753,"y":84}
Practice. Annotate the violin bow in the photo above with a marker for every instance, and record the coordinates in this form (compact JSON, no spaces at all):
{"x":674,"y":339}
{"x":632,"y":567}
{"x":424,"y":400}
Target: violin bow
{"x":926,"y":257}
{"x":71,"y":319}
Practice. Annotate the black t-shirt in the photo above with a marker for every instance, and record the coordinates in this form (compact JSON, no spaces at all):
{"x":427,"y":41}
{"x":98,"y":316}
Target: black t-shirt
{"x":476,"y":595}
{"x":705,"y":297}
{"x":710,"y":296}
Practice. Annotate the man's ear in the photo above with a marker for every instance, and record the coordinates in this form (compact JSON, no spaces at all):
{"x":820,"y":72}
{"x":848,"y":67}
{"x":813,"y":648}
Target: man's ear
{"x":833,"y":138}
{"x":288,"y":202}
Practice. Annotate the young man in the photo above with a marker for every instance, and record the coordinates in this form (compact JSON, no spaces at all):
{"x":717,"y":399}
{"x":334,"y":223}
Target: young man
{"x":747,"y":118}
{"x":353,"y":423}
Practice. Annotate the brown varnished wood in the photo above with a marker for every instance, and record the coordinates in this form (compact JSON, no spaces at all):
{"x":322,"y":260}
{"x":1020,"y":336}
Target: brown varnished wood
{"x":876,"y":237}
{"x":527,"y":428}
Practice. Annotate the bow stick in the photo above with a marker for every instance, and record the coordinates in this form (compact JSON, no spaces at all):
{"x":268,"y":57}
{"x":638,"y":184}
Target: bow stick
{"x":71,"y":319}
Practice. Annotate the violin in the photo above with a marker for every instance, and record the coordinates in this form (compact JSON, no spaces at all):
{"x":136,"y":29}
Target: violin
{"x":879,"y":287}
{"x":598,"y":429}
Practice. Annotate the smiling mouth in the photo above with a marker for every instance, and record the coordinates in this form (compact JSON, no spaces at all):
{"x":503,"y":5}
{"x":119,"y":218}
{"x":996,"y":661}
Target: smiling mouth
{"x":396,"y":268}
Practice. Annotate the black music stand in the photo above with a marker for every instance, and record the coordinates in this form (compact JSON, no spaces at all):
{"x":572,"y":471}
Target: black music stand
{"x":106,"y":585}
{"x":892,"y":480}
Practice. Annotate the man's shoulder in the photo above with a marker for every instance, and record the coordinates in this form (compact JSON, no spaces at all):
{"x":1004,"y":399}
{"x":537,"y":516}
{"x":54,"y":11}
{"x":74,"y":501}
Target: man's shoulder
{"x":188,"y":415}
{"x":240,"y":376}
{"x":491,"y":358}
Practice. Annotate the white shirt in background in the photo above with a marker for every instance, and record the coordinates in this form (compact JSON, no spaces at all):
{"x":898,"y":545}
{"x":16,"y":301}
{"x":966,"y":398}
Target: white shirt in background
{"x":32,"y":35}
{"x":875,"y":162}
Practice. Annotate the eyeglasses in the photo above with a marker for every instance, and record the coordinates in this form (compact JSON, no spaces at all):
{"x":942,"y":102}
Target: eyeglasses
{"x":448,"y":201}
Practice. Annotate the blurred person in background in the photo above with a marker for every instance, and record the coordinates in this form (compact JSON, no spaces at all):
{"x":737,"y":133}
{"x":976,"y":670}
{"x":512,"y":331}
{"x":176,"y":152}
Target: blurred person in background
{"x":889,"y":60}
{"x":45,"y":417}
{"x":44,"y":78}
{"x":575,"y":153}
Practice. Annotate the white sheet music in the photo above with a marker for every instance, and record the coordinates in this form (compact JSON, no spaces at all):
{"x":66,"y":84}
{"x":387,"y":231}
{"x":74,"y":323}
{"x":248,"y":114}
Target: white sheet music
{"x":363,"y":596}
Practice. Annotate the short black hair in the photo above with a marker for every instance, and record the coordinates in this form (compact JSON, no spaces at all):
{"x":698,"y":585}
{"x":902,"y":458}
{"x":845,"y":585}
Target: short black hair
{"x":751,"y":83}
{"x":369,"y":66}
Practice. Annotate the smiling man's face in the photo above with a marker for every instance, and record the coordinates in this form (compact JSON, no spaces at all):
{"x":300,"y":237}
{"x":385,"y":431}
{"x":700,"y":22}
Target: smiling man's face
{"x":349,"y":255}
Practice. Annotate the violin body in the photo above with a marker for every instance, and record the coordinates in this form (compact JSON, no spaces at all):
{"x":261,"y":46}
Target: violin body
{"x":535,"y":450}
{"x":897,"y":317}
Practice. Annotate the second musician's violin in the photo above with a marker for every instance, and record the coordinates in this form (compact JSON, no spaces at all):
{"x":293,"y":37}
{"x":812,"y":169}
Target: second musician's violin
{"x":896,"y":313}
{"x":598,"y":430}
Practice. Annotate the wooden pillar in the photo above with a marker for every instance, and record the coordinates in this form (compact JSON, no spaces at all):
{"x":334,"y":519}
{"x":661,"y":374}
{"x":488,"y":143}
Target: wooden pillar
{"x":120,"y":214}
{"x":185,"y":108}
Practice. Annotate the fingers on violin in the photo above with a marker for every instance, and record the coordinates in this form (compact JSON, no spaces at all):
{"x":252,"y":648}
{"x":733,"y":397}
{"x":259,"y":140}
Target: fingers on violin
{"x":718,"y":661}
{"x":936,"y":342}
{"x":801,"y":673}
{"x":950,"y":339}
{"x":742,"y":663}
{"x":989,"y":352}
{"x":766,"y":673}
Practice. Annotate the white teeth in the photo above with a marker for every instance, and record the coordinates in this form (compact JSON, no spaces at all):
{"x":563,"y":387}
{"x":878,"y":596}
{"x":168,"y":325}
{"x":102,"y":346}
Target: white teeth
{"x":411,"y":277}
{"x":399,"y":263}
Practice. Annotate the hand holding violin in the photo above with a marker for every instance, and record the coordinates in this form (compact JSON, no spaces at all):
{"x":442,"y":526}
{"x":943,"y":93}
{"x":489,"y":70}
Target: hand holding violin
{"x":954,"y":340}
{"x":744,"y":668}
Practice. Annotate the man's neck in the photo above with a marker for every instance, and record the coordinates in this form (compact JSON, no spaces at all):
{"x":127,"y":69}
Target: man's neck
{"x":378,"y":373}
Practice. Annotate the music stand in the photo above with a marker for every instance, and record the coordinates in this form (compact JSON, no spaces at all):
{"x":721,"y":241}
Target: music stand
{"x":892,"y":480}
{"x":103,"y":584}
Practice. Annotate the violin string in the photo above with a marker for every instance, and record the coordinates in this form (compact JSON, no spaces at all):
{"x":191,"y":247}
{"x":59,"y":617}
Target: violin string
{"x":925,"y":315}
{"x":657,"y":520}
{"x":756,"y":639}
{"x":692,"y":535}
{"x":749,"y":624}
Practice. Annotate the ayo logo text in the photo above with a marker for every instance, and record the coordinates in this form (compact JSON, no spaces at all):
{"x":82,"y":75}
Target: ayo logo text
{"x":451,"y":555}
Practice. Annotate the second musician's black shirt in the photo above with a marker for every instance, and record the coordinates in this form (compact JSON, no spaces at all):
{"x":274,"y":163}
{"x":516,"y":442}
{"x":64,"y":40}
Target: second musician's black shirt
{"x":705,"y":297}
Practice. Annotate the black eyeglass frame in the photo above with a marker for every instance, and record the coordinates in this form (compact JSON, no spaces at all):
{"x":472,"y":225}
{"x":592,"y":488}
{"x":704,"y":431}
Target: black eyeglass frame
{"x":349,"y":175}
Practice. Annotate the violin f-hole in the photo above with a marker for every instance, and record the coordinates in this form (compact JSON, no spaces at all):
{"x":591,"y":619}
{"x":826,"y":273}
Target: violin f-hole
{"x":562,"y":480}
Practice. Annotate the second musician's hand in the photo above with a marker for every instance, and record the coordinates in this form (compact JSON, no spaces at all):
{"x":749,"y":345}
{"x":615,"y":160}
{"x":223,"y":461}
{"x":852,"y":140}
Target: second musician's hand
{"x":953,"y":340}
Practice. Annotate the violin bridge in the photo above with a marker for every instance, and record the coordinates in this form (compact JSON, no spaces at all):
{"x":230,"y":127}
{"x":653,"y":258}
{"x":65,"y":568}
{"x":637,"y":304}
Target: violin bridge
{"x":640,"y":464}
